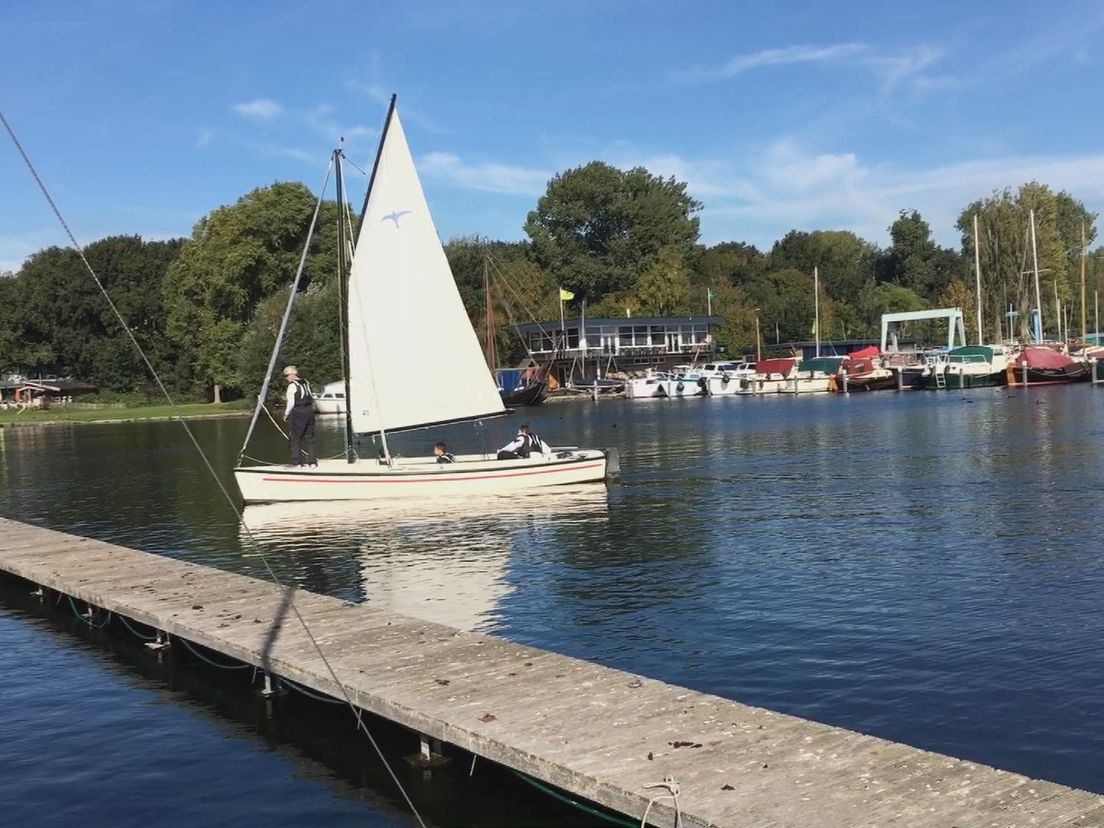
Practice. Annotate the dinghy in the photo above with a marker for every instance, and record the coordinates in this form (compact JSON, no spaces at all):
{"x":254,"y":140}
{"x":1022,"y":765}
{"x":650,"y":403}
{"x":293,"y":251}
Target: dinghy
{"x":398,"y":278}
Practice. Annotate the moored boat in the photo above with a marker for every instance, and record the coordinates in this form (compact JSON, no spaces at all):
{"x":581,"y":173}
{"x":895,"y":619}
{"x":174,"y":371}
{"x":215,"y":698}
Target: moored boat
{"x":1043,"y":365}
{"x":971,"y":366}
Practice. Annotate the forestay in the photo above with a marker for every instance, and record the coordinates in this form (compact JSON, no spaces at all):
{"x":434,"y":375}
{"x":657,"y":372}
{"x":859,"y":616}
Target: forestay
{"x":414,"y":359}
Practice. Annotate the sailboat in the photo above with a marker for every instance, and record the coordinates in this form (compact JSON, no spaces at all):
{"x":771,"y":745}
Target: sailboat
{"x":516,"y":386}
{"x":399,"y":282}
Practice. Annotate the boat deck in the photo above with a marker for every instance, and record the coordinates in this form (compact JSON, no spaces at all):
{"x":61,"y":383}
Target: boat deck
{"x":597,"y":732}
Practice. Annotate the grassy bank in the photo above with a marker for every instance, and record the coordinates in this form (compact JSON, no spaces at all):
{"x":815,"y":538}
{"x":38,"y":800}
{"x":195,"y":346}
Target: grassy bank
{"x":105,"y":415}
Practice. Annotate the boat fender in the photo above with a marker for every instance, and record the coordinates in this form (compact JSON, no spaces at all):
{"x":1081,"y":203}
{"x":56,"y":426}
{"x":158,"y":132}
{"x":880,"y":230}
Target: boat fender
{"x":680,"y":387}
{"x":725,"y":378}
{"x":702,"y":382}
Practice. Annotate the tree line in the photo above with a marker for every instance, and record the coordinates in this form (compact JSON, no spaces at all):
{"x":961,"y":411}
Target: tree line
{"x":207,"y":308}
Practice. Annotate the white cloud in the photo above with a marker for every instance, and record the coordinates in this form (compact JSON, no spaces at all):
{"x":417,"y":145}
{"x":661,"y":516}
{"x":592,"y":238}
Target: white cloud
{"x":204,"y":138}
{"x":260,"y":109}
{"x":492,"y":178}
{"x":785,"y":186}
{"x":776,"y":57}
{"x":893,"y":70}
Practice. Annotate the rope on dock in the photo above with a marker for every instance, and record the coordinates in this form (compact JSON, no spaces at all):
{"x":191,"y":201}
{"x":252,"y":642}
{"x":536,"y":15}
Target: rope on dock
{"x":582,"y":806}
{"x":135,"y":632}
{"x":204,"y":658}
{"x":310,"y":693}
{"x":672,"y":791}
{"x":86,"y":620}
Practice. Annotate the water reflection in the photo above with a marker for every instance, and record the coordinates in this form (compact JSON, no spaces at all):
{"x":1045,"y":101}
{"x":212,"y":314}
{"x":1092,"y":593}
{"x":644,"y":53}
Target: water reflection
{"x":442,"y":561}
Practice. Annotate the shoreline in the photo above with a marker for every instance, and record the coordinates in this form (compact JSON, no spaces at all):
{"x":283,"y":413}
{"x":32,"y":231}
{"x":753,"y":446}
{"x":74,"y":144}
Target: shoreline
{"x":126,"y":415}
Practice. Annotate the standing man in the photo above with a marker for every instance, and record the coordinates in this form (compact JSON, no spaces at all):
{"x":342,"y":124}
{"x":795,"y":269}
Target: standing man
{"x":299,"y":414}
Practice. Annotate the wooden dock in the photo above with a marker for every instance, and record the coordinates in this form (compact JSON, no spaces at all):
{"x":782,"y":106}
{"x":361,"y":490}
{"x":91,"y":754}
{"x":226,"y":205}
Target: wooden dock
{"x":599,"y":733}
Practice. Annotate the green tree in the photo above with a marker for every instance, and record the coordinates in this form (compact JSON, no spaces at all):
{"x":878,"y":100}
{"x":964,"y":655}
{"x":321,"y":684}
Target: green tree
{"x":733,"y":263}
{"x":520,"y":291}
{"x":886,"y":298}
{"x":1007,"y":266}
{"x":597,"y":228}
{"x":845,"y":261}
{"x":65,"y":325}
{"x":915,"y":261}
{"x":664,"y":287}
{"x":237,"y":256}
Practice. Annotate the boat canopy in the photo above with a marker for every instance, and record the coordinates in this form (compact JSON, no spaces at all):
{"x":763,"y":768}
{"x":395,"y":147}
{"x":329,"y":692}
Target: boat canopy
{"x":1043,"y":357}
{"x":869,"y":352}
{"x":971,"y":353}
{"x":775,"y":366}
{"x":826,"y":365}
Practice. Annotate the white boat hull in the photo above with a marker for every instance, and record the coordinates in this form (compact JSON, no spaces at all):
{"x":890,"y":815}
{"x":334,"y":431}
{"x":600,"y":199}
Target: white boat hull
{"x":644,"y":388}
{"x":720,"y":387}
{"x":471,"y":475}
{"x":684,"y":387}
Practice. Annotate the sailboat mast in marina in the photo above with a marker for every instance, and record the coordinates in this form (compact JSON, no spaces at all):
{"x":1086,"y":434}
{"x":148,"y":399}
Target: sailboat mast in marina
{"x":397,"y":279}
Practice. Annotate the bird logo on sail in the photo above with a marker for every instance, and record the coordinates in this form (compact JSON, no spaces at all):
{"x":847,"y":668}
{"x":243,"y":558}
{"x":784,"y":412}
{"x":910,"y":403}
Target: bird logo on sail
{"x":395,"y":216}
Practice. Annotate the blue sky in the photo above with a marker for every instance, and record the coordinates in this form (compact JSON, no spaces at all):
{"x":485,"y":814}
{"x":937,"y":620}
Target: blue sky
{"x":143,"y":116}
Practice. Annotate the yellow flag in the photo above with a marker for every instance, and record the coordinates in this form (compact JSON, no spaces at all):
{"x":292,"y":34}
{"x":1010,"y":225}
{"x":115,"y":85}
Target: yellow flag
{"x":566,"y":295}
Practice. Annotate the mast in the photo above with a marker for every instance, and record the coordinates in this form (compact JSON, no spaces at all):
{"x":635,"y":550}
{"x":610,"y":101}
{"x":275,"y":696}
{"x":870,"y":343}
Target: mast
{"x":1083,"y":311}
{"x":491,"y":356}
{"x":816,"y":308}
{"x":1035,"y":265}
{"x":977,"y":275}
{"x":343,"y":303}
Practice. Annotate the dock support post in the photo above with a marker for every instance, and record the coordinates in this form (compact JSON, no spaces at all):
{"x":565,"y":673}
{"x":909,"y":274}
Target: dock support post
{"x":429,"y":755}
{"x":900,"y":380}
{"x":845,"y":391}
{"x":795,"y":385}
{"x":1025,"y":374}
{"x":268,"y":691}
{"x":1095,"y":363}
{"x":40,"y":593}
{"x":160,"y":643}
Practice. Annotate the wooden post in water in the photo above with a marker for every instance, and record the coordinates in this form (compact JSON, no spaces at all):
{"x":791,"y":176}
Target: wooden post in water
{"x":845,"y":391}
{"x":900,"y":379}
{"x":1025,"y":373}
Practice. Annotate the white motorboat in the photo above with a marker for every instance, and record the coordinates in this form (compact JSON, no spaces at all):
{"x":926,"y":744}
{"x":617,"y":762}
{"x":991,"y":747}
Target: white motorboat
{"x":398,"y":277}
{"x":683,"y":381}
{"x":332,"y":398}
{"x":723,"y":378}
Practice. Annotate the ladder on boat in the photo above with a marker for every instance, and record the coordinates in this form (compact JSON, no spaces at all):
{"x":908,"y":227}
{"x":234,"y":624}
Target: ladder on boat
{"x":940,"y":380}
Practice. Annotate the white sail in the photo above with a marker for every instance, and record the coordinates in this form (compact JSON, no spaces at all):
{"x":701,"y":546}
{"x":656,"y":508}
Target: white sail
{"x":414,"y":358}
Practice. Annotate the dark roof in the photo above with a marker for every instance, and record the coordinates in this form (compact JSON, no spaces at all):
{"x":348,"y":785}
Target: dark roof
{"x":622,"y":320}
{"x":850,"y":343}
{"x":59,"y":385}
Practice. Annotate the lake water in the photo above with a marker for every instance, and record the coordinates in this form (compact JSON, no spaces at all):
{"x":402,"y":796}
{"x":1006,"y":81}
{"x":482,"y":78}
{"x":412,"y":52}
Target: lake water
{"x":924,"y":567}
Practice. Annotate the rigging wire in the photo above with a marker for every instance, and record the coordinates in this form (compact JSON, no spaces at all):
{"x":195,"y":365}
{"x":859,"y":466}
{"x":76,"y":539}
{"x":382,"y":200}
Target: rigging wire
{"x":290,"y":604}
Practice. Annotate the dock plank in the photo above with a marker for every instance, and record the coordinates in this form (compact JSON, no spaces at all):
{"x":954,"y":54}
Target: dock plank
{"x":599,"y":733}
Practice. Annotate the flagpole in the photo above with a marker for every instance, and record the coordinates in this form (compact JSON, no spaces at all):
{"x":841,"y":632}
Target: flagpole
{"x":563,"y":325}
{"x":708,"y":302}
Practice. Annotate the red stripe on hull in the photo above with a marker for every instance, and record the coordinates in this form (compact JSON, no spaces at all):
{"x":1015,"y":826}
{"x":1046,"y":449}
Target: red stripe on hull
{"x":434,"y":479}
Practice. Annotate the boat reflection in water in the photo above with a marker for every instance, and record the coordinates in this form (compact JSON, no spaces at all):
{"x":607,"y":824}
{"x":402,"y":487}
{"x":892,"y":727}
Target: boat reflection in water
{"x":444,"y":561}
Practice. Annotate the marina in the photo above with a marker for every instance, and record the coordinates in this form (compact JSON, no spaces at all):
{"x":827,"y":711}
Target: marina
{"x":718,"y":605}
{"x":601,"y":734}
